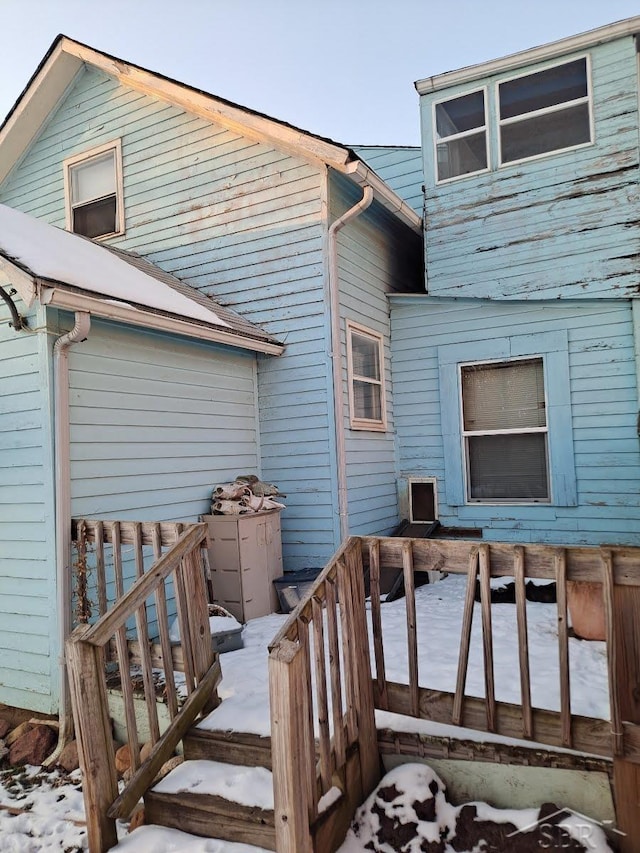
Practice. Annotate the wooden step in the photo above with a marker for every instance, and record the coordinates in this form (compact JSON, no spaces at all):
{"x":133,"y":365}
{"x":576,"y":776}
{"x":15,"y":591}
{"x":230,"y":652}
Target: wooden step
{"x":248,"y":750}
{"x":195,"y":798}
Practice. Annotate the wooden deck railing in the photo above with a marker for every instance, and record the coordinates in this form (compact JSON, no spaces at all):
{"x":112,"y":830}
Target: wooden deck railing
{"x":616,"y":569}
{"x":112,"y":640}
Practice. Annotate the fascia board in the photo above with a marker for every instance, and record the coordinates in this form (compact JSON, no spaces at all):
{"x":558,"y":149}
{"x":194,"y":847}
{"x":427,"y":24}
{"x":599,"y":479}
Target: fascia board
{"x":58,"y":297}
{"x":364,"y":176}
{"x":209,"y":107}
{"x":582,"y":41}
{"x":12,"y":275}
{"x":35,"y":106}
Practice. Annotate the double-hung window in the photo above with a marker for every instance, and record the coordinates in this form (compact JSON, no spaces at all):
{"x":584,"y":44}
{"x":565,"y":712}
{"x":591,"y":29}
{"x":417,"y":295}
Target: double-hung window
{"x":366,"y":378}
{"x":461,"y":136}
{"x":545,"y":111}
{"x":93,"y":187}
{"x":504,"y":430}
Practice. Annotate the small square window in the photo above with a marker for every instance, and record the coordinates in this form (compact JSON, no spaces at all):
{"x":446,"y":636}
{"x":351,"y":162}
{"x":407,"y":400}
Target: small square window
{"x":366,"y":378}
{"x":93,"y":186}
{"x":504,"y":426}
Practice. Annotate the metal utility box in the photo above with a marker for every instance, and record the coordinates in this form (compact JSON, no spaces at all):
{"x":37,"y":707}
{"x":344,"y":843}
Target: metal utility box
{"x":245,"y":555}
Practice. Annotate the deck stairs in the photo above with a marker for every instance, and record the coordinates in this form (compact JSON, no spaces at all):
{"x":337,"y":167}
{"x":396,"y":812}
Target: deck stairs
{"x":199,"y":796}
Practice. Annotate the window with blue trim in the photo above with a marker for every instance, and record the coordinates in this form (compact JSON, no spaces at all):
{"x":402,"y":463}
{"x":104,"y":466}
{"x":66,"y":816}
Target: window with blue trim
{"x":506,"y":421}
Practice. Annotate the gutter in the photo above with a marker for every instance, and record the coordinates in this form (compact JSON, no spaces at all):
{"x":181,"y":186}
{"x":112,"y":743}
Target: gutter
{"x":336,"y":353}
{"x":113,"y":309}
{"x":79,"y":333}
{"x":359,"y":172}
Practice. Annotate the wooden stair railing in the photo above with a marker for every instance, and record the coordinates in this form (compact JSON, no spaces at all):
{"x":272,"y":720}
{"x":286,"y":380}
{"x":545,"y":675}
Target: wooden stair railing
{"x":90,"y":646}
{"x":324,"y":643}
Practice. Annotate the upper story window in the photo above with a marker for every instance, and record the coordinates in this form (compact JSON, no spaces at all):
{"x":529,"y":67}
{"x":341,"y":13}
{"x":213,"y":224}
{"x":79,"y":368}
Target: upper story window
{"x":545,"y":111}
{"x":504,"y":429}
{"x":93,"y":189}
{"x":365,"y":365}
{"x":461,"y":136}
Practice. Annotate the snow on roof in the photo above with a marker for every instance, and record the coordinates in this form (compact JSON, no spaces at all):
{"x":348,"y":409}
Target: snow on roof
{"x":49,"y":253}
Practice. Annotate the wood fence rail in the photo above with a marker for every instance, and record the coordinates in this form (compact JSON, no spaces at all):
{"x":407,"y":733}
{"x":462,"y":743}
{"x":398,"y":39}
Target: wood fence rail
{"x":300,"y":708}
{"x":90,"y":647}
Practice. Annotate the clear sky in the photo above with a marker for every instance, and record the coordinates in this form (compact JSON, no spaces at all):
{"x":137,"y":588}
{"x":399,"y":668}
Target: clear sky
{"x":340,"y":68}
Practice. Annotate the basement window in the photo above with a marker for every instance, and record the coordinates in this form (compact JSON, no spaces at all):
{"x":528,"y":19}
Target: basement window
{"x":461,"y":136}
{"x":93,"y":189}
{"x":504,"y":430}
{"x":365,"y":365}
{"x":549,"y":110}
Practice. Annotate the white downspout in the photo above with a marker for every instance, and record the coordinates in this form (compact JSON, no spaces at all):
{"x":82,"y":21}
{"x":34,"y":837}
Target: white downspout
{"x":80,"y":332}
{"x":336,"y":354}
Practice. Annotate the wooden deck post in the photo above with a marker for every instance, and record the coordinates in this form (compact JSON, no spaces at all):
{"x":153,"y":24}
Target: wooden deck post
{"x":290,"y":736}
{"x":85,"y":664}
{"x":626,"y":657}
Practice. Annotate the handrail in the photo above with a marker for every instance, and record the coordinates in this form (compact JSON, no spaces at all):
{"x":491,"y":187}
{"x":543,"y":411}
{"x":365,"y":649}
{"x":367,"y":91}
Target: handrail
{"x":90,"y":645}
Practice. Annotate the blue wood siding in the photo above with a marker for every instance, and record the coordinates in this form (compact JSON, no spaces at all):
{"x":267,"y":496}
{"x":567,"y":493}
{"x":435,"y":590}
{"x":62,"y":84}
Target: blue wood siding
{"x":603,"y":411}
{"x":239,"y":220}
{"x":28,"y":623}
{"x":375,"y":258}
{"x":398,"y":166}
{"x":500,"y":234}
{"x":156,"y":422}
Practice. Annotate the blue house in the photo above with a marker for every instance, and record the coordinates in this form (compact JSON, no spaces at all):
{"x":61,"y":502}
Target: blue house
{"x":204,"y":293}
{"x":516,"y":374}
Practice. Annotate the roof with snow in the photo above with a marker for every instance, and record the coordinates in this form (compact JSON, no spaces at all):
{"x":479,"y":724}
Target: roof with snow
{"x":70,"y":271}
{"x":67,"y":57}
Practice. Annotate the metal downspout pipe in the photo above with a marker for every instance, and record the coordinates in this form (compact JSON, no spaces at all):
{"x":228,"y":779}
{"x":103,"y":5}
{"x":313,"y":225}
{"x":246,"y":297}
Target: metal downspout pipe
{"x":336,"y":354}
{"x":79,"y":333}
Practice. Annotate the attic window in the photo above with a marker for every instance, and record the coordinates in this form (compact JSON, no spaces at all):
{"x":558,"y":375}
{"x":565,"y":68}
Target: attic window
{"x":545,"y":111}
{"x":461,"y":136}
{"x":93,"y":188}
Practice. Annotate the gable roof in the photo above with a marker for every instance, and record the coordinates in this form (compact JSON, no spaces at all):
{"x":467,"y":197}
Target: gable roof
{"x":69,"y":271}
{"x":581,"y":41}
{"x":65,"y":59}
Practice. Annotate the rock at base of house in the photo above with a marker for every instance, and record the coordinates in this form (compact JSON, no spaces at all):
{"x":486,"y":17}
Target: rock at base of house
{"x":5,"y":726}
{"x":68,"y":758}
{"x":33,"y":746}
{"x":123,"y":759}
{"x":137,"y":818}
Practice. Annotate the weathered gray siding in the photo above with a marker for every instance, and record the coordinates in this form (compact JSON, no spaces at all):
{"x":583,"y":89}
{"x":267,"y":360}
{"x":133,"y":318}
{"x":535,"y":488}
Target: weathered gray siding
{"x":375,"y":258}
{"x":28,"y":623}
{"x":602,"y":435}
{"x":400,"y":167}
{"x":562,"y":226}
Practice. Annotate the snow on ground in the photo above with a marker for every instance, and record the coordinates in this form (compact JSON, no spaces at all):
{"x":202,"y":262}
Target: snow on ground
{"x":245,"y":693}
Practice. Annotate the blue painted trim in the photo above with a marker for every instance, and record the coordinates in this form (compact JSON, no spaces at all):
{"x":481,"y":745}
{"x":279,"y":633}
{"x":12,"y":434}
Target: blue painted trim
{"x":553,"y":347}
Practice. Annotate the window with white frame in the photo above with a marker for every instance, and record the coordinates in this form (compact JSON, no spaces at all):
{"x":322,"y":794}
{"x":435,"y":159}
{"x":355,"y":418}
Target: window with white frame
{"x":546,"y":111}
{"x":504,"y":430}
{"x":93,"y":187}
{"x":461,"y":136}
{"x":365,"y":363}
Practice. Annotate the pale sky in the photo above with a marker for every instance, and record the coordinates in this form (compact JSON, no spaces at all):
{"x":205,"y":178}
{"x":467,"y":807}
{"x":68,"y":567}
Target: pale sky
{"x":339,"y":68}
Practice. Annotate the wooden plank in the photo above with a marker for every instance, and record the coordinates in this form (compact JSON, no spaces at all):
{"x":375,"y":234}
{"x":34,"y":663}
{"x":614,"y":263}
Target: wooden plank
{"x":306,"y":685}
{"x":167,"y":531}
{"x":612,"y":652}
{"x":101,"y":578}
{"x":162,"y":618}
{"x":523,"y":640}
{"x":589,"y":735}
{"x":117,"y":560}
{"x":583,"y":562}
{"x":344,"y":596}
{"x":563,"y":645}
{"x":142,"y":589}
{"x":182,"y":607}
{"x":412,"y":632}
{"x":376,"y":619}
{"x":487,"y":636}
{"x":142,"y":629}
{"x":93,"y":730}
{"x":321,"y":693}
{"x":335,"y":668}
{"x":465,"y":637}
{"x":162,"y":751}
{"x":289,"y":737}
